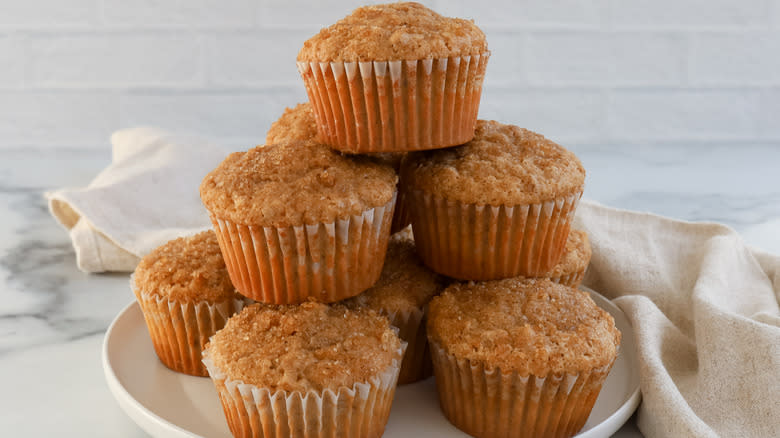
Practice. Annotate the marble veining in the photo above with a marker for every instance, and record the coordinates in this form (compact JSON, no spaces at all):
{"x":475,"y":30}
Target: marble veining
{"x":52,"y":317}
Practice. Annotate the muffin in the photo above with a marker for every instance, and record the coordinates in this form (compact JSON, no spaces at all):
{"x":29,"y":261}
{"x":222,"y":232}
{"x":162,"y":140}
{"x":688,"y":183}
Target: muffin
{"x":402,"y":294}
{"x":298,"y":124}
{"x":295,"y":124}
{"x":571,"y":268}
{"x":520,"y":358}
{"x":299,"y":221}
{"x":322,"y":371}
{"x":496,"y":207}
{"x":395,"y":77}
{"x":185,"y":294}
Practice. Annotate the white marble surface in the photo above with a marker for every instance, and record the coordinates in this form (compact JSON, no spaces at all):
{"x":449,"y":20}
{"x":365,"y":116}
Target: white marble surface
{"x":53,"y":317}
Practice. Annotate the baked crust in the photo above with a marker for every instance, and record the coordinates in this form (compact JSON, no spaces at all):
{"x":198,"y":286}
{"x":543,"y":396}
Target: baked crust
{"x":308,"y":347}
{"x":575,"y":257}
{"x":292,"y":184}
{"x":295,"y":124}
{"x":503,"y":165}
{"x":394,"y":31}
{"x":187,"y":269}
{"x":530,"y":326}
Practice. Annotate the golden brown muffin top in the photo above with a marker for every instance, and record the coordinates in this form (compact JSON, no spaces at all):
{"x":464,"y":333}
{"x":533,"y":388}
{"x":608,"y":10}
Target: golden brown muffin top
{"x":311,"y":346}
{"x":299,"y":124}
{"x":295,"y":124}
{"x":575,"y":257}
{"x":293,"y":184}
{"x":394,"y":31}
{"x":528,"y":326}
{"x":502,"y":165}
{"x":405,"y":283}
{"x":186,"y":269}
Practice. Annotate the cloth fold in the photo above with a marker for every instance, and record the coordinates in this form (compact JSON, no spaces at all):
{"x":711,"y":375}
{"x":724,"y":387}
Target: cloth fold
{"x":147,"y":196}
{"x":704,"y":306}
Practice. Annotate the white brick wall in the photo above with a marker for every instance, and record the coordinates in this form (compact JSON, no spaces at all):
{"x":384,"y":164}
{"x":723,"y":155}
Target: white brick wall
{"x":606,"y":58}
{"x":669,"y":115}
{"x":688,"y":14}
{"x":211,"y":14}
{"x":100,"y":60}
{"x":57,"y":118}
{"x":735,"y":58}
{"x":48,"y":14}
{"x":589,"y":73}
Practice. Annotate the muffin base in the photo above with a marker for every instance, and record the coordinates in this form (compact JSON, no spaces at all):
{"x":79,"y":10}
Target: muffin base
{"x":416,"y":364}
{"x":484,"y":242}
{"x":401,"y":217}
{"x":572,"y":280}
{"x":179,"y":331}
{"x":487,"y":403}
{"x":359,"y":411}
{"x":326,"y":262}
{"x":395,"y":106}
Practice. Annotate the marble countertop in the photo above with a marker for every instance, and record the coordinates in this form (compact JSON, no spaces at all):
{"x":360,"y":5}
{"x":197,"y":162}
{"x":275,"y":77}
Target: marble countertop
{"x":53,"y":317}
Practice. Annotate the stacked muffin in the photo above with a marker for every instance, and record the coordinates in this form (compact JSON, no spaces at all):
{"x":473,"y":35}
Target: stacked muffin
{"x":345,"y":310}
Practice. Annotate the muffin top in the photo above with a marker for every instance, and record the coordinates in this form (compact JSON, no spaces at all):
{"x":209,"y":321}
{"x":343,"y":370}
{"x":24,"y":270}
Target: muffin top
{"x":311,"y":346}
{"x":575,"y":257}
{"x":295,"y":124}
{"x":299,"y":124}
{"x":291,"y":184}
{"x":502,"y":165}
{"x":186,"y":269}
{"x":528,"y":326}
{"x":405,"y":283}
{"x":394,"y":31}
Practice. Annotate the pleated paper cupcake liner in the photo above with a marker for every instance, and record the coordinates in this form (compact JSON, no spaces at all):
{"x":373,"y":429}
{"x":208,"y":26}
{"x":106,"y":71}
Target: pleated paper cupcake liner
{"x":179,"y":331}
{"x":417,"y":364}
{"x":288,"y":265}
{"x":359,"y":411}
{"x":484,"y":242}
{"x":572,"y":280}
{"x":401,"y":218}
{"x":395,"y":106}
{"x":487,"y":403}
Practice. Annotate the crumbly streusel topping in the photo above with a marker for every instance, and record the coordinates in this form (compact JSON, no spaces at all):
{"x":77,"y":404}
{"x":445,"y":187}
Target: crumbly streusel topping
{"x":528,"y":326}
{"x":394,"y":31}
{"x":292,"y":184}
{"x":186,"y":269}
{"x":311,"y":346}
{"x":502,"y":165}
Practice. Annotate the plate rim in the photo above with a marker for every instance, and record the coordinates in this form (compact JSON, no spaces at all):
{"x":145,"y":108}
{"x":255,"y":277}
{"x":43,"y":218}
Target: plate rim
{"x":631,"y":403}
{"x":144,"y":417}
{"x":153,"y":424}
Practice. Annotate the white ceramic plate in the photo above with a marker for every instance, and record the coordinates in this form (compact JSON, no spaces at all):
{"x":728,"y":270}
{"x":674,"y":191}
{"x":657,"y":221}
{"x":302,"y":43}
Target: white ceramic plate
{"x":171,"y":405}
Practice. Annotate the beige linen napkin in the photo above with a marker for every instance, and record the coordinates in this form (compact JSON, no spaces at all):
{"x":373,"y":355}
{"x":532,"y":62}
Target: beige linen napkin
{"x":704,"y":306}
{"x":147,"y":196}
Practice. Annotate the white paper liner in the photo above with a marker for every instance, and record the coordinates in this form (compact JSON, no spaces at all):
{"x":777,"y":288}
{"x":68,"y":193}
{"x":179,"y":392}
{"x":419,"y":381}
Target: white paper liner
{"x":395,"y":106}
{"x":359,"y":411}
{"x":485,"y":242}
{"x":288,"y":265}
{"x":180,"y":330}
{"x":410,"y":323}
{"x":401,"y":218}
{"x":485,"y":402}
{"x":572,"y":280}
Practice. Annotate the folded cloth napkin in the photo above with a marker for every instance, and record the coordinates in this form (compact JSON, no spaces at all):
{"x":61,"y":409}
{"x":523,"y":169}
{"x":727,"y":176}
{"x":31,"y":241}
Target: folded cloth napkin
{"x":704,"y":308}
{"x":147,"y":196}
{"x":703,"y":305}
